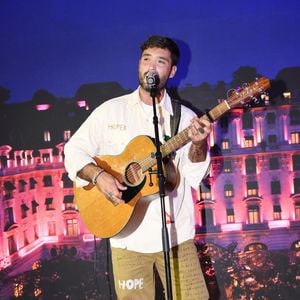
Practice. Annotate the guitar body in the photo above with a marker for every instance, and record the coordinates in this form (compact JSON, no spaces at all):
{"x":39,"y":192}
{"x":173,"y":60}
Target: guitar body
{"x":101,"y":216}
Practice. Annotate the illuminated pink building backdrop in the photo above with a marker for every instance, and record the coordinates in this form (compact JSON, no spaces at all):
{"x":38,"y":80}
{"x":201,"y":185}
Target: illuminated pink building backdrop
{"x":251,"y":197}
{"x":253,"y":193}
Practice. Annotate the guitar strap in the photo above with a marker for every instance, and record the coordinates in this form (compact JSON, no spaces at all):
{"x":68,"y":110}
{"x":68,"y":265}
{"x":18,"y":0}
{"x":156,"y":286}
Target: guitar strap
{"x":175,"y":119}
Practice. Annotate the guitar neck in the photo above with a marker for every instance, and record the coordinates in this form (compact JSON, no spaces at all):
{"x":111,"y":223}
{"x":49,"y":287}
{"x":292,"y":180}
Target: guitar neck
{"x":182,"y":137}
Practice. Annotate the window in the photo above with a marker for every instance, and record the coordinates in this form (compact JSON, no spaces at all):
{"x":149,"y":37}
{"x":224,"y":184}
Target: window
{"x":8,"y":217}
{"x":227,"y":166}
{"x":22,"y":184}
{"x":8,"y":190}
{"x":253,"y":214}
{"x":34,"y":206}
{"x":205,"y":191}
{"x":296,"y":185}
{"x":296,"y":162}
{"x":18,"y":159}
{"x":252,"y":188}
{"x":12,"y":246}
{"x":24,"y":209}
{"x":9,"y":186}
{"x":250,"y":165}
{"x":51,"y":228}
{"x":49,"y":204}
{"x":47,"y":180}
{"x":67,"y":182}
{"x":297,"y":211}
{"x":276,"y":212}
{"x":271,"y":118}
{"x":3,"y":162}
{"x":68,"y":202}
{"x":247,"y":120}
{"x":207,"y":217}
{"x":225,"y":144}
{"x":72,"y":227}
{"x":67,"y":135}
{"x":32,"y":183}
{"x":274,"y":163}
{"x":294,"y":117}
{"x":295,"y":137}
{"x":228,"y":190}
{"x":230,"y":215}
{"x":46,"y":157}
{"x":47,"y":136}
{"x":275,"y":187}
{"x":249,"y":141}
{"x":29,"y":158}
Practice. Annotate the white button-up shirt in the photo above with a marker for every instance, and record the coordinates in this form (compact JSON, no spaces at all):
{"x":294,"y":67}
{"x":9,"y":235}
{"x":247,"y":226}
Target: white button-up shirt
{"x":107,"y":131}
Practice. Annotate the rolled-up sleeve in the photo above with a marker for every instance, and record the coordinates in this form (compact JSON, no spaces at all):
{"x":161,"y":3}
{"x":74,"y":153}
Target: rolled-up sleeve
{"x":194,"y":172}
{"x":81,"y":148}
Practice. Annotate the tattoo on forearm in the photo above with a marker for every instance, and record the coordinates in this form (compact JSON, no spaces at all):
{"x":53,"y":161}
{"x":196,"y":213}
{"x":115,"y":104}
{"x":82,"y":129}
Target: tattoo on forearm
{"x":197,"y":153}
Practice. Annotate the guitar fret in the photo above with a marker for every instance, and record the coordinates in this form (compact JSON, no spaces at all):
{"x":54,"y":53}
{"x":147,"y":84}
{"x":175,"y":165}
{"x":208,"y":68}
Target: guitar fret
{"x":174,"y":143}
{"x":219,"y":110}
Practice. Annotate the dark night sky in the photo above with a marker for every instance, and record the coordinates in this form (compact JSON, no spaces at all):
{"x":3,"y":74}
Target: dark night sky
{"x":58,"y":45}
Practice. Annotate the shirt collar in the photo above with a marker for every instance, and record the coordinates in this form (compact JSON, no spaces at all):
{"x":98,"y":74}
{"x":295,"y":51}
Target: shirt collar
{"x":165,"y":102}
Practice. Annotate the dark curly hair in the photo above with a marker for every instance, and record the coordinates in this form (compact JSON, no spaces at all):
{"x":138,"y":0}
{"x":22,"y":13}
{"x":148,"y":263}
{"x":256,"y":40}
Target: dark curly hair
{"x":163,"y":43}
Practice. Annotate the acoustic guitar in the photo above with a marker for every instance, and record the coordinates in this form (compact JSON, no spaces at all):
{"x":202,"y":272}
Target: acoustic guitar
{"x":137,"y":170}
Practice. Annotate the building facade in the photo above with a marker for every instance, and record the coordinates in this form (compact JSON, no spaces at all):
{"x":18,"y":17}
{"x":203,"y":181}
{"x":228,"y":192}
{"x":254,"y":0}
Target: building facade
{"x":251,"y":196}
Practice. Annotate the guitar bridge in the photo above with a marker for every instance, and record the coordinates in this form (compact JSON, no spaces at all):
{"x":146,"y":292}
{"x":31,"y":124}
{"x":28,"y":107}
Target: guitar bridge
{"x":150,"y":171}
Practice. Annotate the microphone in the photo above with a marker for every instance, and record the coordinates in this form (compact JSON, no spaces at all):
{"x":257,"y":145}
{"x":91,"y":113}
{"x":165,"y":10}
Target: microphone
{"x":152,"y":79}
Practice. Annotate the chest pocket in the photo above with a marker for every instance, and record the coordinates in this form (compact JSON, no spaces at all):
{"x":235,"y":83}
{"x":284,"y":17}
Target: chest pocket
{"x":116,"y":138}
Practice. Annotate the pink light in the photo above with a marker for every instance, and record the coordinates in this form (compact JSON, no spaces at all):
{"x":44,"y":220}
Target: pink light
{"x":41,"y":107}
{"x":238,"y":131}
{"x":81,"y":103}
{"x":88,"y":237}
{"x":49,"y":239}
{"x":231,"y":227}
{"x":212,"y":136}
{"x":258,"y":131}
{"x":5,"y":263}
{"x":25,"y":251}
{"x":279,"y":224}
{"x":285,"y":129}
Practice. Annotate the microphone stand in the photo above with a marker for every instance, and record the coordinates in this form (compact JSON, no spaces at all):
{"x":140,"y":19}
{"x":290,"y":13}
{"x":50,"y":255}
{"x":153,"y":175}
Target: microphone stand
{"x":161,"y":181}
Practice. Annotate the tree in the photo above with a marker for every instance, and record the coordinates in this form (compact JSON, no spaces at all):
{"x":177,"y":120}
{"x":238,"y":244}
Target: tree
{"x":220,"y":90}
{"x":242,"y":75}
{"x":291,"y":76}
{"x":43,"y":96}
{"x":4,"y":94}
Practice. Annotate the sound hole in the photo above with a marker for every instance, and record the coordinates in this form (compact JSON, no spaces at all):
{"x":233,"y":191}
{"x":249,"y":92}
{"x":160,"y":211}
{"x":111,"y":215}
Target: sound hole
{"x":134,"y":174}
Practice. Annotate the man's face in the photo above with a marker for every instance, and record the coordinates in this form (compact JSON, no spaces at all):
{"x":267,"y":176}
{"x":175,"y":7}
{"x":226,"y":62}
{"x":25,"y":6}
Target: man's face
{"x":159,"y":60}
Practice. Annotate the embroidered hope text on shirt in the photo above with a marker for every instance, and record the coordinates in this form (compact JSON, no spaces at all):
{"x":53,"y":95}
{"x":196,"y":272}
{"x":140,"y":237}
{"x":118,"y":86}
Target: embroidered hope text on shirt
{"x":117,"y":126}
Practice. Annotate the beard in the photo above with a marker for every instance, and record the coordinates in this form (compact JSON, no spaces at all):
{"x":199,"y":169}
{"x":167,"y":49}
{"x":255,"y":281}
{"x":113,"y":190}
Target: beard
{"x":162,"y":83}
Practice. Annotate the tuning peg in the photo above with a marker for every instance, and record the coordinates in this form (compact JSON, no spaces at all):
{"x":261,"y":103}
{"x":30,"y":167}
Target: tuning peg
{"x":230,"y":92}
{"x":255,"y":100}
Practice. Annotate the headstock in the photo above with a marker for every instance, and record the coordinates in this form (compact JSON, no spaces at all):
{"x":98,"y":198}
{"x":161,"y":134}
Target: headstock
{"x":248,"y":92}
